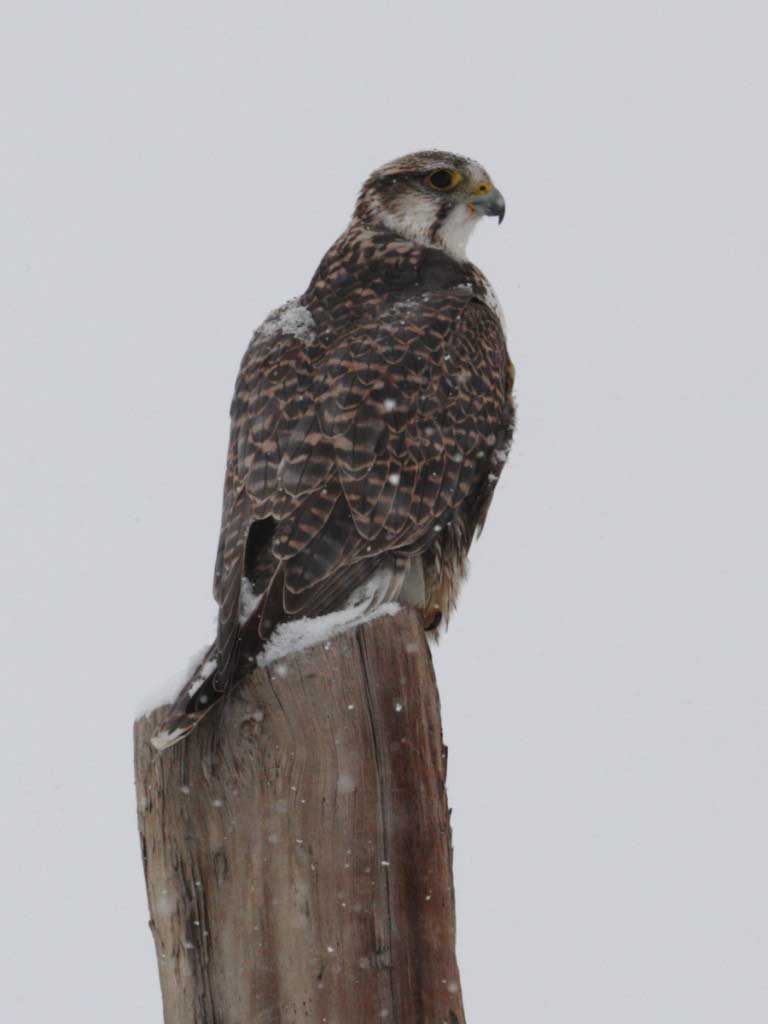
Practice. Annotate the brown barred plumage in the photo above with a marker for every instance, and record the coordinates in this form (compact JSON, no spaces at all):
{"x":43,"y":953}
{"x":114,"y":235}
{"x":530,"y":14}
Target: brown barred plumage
{"x":370,"y":421}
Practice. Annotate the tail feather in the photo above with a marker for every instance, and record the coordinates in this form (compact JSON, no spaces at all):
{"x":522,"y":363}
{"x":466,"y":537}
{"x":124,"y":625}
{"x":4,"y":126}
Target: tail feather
{"x":240,"y":643}
{"x":216,"y":673}
{"x":202,"y":691}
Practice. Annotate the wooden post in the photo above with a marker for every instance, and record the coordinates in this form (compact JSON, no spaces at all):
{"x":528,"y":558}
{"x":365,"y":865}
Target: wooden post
{"x":297,"y":846}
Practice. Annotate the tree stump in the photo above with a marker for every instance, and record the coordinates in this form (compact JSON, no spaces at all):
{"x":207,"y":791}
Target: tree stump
{"x":297,"y":846}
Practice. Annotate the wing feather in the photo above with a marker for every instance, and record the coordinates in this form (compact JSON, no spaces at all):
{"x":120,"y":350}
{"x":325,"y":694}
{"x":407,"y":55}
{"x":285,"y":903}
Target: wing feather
{"x":360,"y":450}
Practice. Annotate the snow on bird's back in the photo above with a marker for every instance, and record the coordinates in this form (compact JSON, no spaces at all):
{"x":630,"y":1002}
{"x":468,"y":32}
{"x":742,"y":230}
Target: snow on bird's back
{"x":291,"y":318}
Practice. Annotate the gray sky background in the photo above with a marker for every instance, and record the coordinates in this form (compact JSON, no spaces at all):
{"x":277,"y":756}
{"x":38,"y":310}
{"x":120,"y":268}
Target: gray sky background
{"x":169,"y":173}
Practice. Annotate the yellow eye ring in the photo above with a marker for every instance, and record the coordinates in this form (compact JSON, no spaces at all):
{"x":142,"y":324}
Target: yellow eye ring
{"x":443,"y":179}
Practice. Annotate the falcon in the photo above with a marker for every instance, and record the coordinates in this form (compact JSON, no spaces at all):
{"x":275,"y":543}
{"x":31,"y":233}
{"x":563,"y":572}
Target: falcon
{"x":371,"y":419}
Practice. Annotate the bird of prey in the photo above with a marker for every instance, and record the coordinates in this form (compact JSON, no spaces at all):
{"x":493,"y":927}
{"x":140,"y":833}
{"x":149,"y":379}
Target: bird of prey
{"x":371,"y":419}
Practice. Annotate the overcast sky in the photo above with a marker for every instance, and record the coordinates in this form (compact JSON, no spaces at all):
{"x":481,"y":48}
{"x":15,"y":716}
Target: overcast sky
{"x":168,"y":174}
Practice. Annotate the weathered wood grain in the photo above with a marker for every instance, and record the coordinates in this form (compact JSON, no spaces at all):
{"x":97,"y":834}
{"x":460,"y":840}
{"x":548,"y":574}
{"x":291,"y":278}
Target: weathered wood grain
{"x":297,"y":846}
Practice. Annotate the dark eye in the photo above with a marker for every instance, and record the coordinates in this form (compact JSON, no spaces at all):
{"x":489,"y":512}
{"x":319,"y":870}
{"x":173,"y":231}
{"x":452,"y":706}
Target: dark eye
{"x":444,"y":180}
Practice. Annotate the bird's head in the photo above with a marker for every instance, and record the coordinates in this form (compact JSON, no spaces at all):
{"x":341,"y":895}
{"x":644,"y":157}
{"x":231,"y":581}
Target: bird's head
{"x":432,"y":198}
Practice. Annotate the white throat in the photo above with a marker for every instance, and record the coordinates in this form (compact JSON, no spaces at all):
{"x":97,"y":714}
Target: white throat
{"x":415,"y":222}
{"x":456,"y":230}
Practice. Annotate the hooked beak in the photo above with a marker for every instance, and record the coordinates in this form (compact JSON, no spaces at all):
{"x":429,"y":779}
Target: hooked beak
{"x":488,"y":201}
